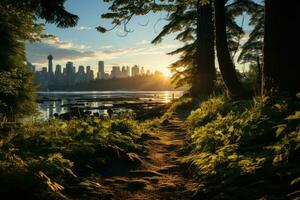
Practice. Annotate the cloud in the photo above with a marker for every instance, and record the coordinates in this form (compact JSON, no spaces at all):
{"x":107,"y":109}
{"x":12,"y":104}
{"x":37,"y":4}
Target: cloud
{"x":143,"y":42}
{"x":56,"y":42}
{"x":64,"y":51}
{"x":106,"y":47}
{"x":83,"y":28}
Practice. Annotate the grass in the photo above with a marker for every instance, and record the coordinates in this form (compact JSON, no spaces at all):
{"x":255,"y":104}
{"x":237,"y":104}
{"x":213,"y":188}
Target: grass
{"x":44,"y":160}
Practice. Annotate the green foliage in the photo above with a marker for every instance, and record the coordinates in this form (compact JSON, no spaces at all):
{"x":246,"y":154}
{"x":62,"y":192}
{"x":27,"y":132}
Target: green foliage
{"x":16,"y":88}
{"x":238,"y":148}
{"x":206,"y":112}
{"x":17,"y":25}
{"x":44,"y":159}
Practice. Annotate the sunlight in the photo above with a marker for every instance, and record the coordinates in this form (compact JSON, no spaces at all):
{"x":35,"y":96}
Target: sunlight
{"x":166,"y":72}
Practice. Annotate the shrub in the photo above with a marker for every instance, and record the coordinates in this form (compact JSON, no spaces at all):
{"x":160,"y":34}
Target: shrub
{"x":236,"y":146}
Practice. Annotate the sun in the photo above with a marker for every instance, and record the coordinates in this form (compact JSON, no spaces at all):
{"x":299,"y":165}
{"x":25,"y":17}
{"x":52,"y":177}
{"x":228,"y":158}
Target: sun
{"x":166,"y":72}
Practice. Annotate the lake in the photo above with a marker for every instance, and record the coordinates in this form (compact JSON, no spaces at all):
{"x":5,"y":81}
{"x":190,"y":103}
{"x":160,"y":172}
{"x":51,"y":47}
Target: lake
{"x":98,"y":102}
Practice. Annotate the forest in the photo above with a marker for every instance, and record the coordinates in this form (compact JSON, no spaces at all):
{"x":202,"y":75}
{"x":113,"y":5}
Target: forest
{"x":232,"y":135}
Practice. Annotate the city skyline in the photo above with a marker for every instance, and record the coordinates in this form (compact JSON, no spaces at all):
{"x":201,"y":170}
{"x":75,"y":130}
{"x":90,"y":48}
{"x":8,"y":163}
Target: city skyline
{"x":71,"y":75}
{"x":84,"y":45}
{"x":52,"y":67}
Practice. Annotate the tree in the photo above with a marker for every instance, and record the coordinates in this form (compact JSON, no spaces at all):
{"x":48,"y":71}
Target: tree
{"x":281,"y":67}
{"x":205,"y":72}
{"x":17,"y":25}
{"x":183,"y":19}
{"x":252,"y":49}
{"x":226,"y":65}
{"x":197,"y":55}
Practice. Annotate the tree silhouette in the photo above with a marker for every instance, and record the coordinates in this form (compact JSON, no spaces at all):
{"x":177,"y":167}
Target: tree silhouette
{"x":183,"y":19}
{"x":281,"y":67}
{"x":17,"y":25}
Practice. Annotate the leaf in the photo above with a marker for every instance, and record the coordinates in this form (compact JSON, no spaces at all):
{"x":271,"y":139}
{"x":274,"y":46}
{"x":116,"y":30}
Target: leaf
{"x":280,"y":129}
{"x":295,"y":181}
{"x":101,"y":29}
{"x":231,"y":129}
{"x":296,"y":116}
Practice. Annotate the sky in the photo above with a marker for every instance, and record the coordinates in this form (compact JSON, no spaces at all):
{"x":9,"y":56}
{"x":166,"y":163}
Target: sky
{"x":83,"y":45}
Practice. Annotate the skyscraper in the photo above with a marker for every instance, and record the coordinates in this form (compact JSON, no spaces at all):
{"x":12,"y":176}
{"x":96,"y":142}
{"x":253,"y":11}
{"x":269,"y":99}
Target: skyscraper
{"x":58,"y":70}
{"x":89,"y":73}
{"x":31,"y":67}
{"x":135,"y":70}
{"x":70,"y":73}
{"x":80,"y":77}
{"x":142,"y":71}
{"x":58,"y":76}
{"x":116,"y":72}
{"x":50,"y":65}
{"x":100,"y":70}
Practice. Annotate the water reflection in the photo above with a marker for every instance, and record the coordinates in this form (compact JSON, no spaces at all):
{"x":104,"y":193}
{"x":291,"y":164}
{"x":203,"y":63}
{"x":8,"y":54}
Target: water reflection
{"x":52,"y":103}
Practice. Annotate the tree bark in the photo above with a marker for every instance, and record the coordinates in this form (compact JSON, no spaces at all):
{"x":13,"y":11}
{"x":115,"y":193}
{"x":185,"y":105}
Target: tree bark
{"x":281,"y":69}
{"x":204,"y":74}
{"x":226,"y":64}
{"x":259,"y":76}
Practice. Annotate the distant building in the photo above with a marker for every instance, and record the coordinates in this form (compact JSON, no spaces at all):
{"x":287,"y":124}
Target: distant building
{"x":142,"y":71}
{"x":50,"y":65}
{"x":70,"y":73}
{"x":125,"y":72}
{"x":106,"y":76}
{"x":58,"y":70}
{"x":80,"y":76}
{"x":48,"y":78}
{"x":135,"y":71}
{"x":101,"y":72}
{"x":89,"y":74}
{"x":58,"y":75}
{"x":116,"y":72}
{"x":31,"y":67}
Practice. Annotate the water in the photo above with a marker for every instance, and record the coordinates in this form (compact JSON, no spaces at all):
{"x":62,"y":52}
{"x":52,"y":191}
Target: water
{"x":51,"y":103}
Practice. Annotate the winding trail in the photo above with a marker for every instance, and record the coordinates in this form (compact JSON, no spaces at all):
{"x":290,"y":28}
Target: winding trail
{"x":160,"y":176}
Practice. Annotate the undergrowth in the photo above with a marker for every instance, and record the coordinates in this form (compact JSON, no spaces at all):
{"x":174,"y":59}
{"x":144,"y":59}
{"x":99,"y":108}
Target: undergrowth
{"x":245,"y":149}
{"x":45,"y":160}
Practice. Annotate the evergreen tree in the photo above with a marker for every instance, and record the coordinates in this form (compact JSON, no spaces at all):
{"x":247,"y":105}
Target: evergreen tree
{"x":183,"y":19}
{"x":17,"y":25}
{"x":281,"y":67}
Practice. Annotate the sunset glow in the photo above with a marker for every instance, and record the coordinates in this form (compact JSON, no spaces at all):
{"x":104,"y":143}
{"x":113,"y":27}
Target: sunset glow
{"x":166,"y":72}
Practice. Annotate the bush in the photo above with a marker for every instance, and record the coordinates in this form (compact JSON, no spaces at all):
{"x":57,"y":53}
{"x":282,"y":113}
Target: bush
{"x":42,"y":159}
{"x":239,"y":148}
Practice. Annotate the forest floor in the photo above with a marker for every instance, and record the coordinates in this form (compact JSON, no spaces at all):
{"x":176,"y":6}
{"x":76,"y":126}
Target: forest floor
{"x":160,"y":175}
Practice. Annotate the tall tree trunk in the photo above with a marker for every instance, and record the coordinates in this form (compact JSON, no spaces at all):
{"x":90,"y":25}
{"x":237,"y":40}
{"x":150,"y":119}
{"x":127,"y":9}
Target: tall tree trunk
{"x":226,"y":64}
{"x":259,"y":76}
{"x":281,"y":69}
{"x":204,"y":74}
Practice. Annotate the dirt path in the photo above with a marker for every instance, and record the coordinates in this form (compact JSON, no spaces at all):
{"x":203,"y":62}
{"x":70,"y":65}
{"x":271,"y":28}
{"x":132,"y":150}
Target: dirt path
{"x":160,"y":176}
